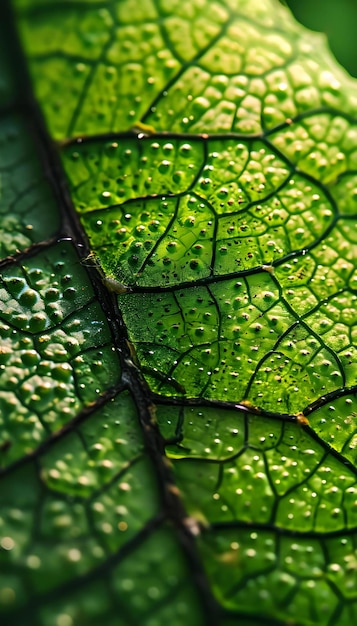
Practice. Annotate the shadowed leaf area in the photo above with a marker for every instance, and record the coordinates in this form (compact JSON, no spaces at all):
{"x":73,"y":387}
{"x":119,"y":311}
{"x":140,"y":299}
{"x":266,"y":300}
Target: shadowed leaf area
{"x":178,"y":391}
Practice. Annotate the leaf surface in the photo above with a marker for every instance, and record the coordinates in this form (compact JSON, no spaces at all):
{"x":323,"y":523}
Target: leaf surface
{"x":180,"y":447}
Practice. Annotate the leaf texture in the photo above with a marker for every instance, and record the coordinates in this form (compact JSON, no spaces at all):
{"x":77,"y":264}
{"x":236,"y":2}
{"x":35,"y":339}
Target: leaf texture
{"x":178,"y":312}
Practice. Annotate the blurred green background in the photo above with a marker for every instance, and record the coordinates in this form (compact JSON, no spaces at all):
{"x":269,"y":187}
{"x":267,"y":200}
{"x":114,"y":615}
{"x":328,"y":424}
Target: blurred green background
{"x":336,"y":18}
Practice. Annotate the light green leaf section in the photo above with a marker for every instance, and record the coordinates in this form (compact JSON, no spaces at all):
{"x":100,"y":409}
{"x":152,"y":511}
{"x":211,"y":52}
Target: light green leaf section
{"x":184,"y":66}
{"x":210,"y":151}
{"x":168,"y":220}
{"x":278,"y":513}
{"x":233,"y":341}
{"x":236,"y":206}
{"x":307,"y":572}
{"x":261,"y":472}
{"x":168,"y":212}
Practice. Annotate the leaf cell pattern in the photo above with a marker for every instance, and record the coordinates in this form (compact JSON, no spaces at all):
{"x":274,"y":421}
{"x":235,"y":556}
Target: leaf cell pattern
{"x":183,"y":451}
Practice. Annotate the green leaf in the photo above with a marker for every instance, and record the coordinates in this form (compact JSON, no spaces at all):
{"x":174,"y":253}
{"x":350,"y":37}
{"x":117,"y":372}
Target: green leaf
{"x":177,"y":313}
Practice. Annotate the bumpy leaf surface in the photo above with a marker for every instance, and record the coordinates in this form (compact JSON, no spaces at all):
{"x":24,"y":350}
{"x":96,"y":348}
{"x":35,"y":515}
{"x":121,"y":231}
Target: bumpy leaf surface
{"x":178,"y":313}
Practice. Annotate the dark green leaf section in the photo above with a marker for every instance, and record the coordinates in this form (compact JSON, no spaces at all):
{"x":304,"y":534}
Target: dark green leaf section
{"x":27,"y":208}
{"x":81,"y":534}
{"x":83,"y":516}
{"x":210,"y":149}
{"x":28,"y":213}
{"x":7,"y":83}
{"x":81,"y":531}
{"x":145,"y":587}
{"x":56,"y":353}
